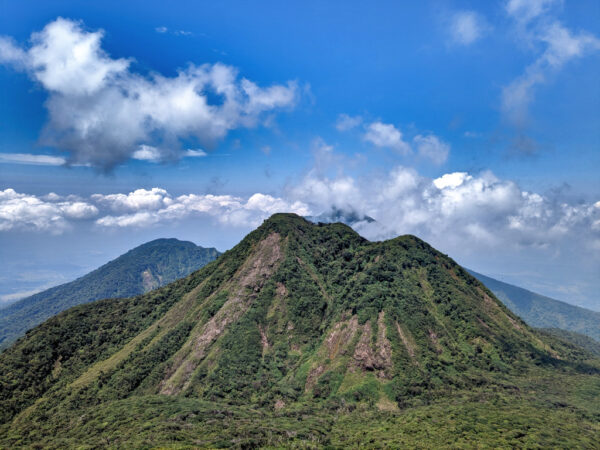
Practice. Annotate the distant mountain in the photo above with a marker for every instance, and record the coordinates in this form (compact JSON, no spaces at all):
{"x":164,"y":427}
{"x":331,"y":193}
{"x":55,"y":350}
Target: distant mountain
{"x":578,"y":339}
{"x":543,"y":312}
{"x":301,"y":336}
{"x":140,"y":270}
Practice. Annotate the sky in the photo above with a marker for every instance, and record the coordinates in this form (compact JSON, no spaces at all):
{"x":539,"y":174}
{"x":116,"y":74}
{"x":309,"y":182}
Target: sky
{"x":473,"y":125}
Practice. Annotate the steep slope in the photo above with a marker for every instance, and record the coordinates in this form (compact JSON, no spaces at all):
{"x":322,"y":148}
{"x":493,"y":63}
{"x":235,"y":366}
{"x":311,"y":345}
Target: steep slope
{"x":301,"y":332}
{"x":140,"y":270}
{"x":543,"y":312}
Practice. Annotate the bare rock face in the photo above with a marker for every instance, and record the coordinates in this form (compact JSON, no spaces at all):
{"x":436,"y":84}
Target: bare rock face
{"x":378,"y":357}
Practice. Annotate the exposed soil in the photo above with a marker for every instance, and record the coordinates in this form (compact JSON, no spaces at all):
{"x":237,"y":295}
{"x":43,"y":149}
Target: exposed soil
{"x":263,"y":339}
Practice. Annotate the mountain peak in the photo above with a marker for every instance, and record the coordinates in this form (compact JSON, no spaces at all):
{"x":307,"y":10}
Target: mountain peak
{"x":296,"y":314}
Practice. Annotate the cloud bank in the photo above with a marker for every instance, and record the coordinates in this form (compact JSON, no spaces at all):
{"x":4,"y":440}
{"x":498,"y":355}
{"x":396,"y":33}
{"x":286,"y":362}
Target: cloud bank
{"x":479,"y":209}
{"x":101,"y":111}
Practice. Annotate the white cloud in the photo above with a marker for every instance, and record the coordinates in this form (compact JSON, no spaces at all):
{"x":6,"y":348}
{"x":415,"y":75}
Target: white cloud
{"x":147,"y":153}
{"x":101,"y":111}
{"x":152,"y":154}
{"x":78,"y":210}
{"x":467,"y":27}
{"x":432,"y":148}
{"x":556,"y":46}
{"x":11,"y":54}
{"x":427,"y":146}
{"x":386,"y":135}
{"x":36,"y":160}
{"x":140,"y":199}
{"x":226,"y":209}
{"x":451,"y":180}
{"x":345,"y":122}
{"x":194,"y":153}
{"x":28,"y":212}
{"x":457,"y":209}
{"x":139,"y":208}
{"x":468,"y":211}
{"x":161,"y":29}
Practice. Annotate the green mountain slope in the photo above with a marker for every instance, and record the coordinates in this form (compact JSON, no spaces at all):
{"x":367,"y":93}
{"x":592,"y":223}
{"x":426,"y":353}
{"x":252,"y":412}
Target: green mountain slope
{"x":578,"y":339}
{"x":543,"y":312}
{"x":303,"y":335}
{"x":140,"y":270}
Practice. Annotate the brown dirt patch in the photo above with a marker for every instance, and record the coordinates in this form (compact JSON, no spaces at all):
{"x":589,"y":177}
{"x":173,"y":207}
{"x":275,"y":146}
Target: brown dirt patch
{"x":380,"y":359}
{"x":263,"y":339}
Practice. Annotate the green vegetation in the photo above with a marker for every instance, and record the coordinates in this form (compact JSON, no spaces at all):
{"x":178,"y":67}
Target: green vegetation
{"x":579,"y":340}
{"x":140,"y":270}
{"x":544,"y":312}
{"x":302,"y":335}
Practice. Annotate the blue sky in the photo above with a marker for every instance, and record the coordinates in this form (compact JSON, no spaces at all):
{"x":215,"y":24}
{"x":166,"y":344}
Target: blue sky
{"x":475,"y":125}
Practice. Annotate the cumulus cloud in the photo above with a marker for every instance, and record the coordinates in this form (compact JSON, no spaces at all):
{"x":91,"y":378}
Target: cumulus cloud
{"x":101,"y":111}
{"x":140,"y":199}
{"x":475,"y":211}
{"x":139,"y":208}
{"x":467,"y":27}
{"x":29,"y":212}
{"x":555,"y":45}
{"x":157,"y":206}
{"x":386,"y":135}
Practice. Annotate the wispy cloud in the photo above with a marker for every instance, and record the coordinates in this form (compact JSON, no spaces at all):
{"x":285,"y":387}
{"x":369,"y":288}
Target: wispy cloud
{"x":345,"y":122}
{"x":428,"y":146}
{"x":432,"y":148}
{"x":163,"y":30}
{"x":466,"y":27}
{"x":14,"y":296}
{"x":194,"y":153}
{"x":31,"y":159}
{"x":555,"y":46}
